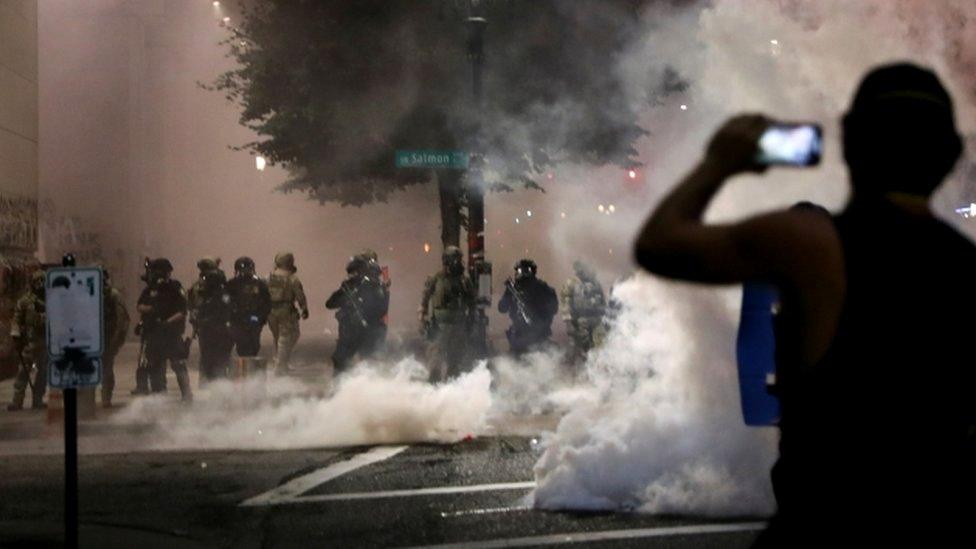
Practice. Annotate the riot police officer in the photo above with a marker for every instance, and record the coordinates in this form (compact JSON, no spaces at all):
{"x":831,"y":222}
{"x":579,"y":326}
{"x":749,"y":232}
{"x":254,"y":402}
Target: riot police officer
{"x":447,"y":309}
{"x":286,"y":293}
{"x":250,"y":305}
{"x":116,"y":328}
{"x":209,"y":307}
{"x":382,"y":274}
{"x":162,"y":308}
{"x":362,"y":302}
{"x":531,"y":305}
{"x":584,"y":306}
{"x":29,"y":332}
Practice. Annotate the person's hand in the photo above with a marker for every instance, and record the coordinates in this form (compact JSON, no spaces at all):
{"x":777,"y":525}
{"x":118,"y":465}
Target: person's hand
{"x":733,"y":148}
{"x":304,"y":314}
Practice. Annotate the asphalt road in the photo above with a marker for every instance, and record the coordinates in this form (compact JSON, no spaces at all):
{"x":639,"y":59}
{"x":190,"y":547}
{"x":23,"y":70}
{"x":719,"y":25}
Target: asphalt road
{"x":471,"y":493}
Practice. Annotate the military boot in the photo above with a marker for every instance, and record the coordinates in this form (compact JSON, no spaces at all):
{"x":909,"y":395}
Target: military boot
{"x":17,"y":404}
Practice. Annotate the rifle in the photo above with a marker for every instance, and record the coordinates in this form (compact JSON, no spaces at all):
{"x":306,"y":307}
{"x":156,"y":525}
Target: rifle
{"x":350,"y":295}
{"x":27,"y":369}
{"x":519,"y":301}
{"x":143,"y":362}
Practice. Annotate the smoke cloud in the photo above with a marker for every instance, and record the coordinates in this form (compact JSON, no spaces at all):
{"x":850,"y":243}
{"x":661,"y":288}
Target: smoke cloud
{"x":369,"y":405}
{"x":660,"y":430}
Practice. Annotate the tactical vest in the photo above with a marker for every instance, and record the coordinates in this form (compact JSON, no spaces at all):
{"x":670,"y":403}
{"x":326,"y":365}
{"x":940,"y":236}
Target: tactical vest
{"x":587,"y":299}
{"x":248,"y":297}
{"x":35,"y":320}
{"x":280,"y":288}
{"x":213,"y":307}
{"x":451,"y":299}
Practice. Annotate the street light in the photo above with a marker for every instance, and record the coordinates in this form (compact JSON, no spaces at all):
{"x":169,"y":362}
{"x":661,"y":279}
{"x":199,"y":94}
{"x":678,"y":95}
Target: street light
{"x":260,"y":163}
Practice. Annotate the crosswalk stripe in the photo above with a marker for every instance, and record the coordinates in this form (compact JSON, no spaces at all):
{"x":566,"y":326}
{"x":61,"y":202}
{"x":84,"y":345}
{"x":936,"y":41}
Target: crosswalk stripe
{"x":291,"y":490}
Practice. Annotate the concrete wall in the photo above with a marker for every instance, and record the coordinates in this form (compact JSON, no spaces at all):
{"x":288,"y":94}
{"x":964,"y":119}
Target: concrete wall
{"x":18,"y":158}
{"x":18,"y":127}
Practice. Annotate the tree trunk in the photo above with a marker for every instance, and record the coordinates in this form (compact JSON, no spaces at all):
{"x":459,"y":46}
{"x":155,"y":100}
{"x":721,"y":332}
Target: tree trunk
{"x":449,"y":189}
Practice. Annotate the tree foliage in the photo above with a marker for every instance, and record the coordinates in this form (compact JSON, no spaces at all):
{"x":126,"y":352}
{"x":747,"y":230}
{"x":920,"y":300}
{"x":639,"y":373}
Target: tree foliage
{"x":334,"y":88}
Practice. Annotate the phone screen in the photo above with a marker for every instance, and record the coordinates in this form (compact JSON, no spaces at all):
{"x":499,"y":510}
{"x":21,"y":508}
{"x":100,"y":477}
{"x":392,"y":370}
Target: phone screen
{"x":790,"y":145}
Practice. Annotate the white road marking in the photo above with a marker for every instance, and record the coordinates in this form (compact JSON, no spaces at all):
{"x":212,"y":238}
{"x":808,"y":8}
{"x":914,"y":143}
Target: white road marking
{"x":581,"y":537}
{"x":291,"y":490}
{"x":435,"y":491}
{"x":489,"y":511}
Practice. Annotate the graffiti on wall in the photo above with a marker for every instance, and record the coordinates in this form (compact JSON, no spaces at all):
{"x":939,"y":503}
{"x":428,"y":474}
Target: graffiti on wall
{"x":61,"y":233}
{"x":18,"y":222}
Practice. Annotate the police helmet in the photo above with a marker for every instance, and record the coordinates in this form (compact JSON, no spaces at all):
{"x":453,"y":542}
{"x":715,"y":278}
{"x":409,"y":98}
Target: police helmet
{"x":356,"y":265}
{"x":368,"y":254}
{"x":285,"y":260}
{"x":583,"y":270}
{"x":160,"y":264}
{"x":213,"y":278}
{"x":525,"y":268}
{"x":244,"y":264}
{"x":208,"y":263}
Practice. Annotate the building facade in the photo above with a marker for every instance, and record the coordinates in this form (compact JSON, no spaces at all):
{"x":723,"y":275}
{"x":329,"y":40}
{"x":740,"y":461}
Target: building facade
{"x":18,"y":160}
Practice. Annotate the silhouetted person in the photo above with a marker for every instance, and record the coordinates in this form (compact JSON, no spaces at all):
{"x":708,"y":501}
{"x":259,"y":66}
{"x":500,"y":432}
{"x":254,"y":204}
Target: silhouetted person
{"x":873,"y":369}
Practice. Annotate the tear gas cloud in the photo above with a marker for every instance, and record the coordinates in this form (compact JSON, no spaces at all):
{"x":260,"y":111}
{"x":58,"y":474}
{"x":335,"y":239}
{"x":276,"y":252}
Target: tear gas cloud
{"x":370,"y":405}
{"x":655,"y":424}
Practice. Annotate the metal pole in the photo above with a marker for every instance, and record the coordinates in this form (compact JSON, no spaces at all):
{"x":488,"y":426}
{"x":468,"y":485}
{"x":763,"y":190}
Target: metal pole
{"x":71,"y":468}
{"x":475,"y":188}
{"x":70,"y":454}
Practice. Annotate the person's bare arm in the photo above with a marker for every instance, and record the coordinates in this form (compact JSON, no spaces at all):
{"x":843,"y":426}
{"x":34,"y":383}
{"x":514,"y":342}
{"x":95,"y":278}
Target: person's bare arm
{"x":676,"y":243}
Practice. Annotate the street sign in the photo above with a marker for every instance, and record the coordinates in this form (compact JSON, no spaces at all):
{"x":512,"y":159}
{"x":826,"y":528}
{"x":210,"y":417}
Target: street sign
{"x":452,"y":160}
{"x":75,"y":339}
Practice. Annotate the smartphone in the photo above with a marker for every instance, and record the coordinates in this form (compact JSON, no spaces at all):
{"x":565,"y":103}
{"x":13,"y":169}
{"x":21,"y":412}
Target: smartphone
{"x":790,"y":145}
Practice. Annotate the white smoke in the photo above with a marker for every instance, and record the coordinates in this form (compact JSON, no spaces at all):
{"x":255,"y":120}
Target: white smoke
{"x":662,"y":431}
{"x":369,"y":405}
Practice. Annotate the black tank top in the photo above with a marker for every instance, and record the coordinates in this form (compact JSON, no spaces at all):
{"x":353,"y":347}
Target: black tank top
{"x":881,"y":426}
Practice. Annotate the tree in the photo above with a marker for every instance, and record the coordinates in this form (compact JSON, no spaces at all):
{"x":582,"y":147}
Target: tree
{"x":334,"y":88}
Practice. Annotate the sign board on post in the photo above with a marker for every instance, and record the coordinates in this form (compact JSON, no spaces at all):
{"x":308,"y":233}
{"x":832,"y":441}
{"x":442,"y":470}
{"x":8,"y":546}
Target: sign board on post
{"x":453,"y":160}
{"x":73,"y":300}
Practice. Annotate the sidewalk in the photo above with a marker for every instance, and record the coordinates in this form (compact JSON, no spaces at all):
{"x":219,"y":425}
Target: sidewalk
{"x":15,"y":533}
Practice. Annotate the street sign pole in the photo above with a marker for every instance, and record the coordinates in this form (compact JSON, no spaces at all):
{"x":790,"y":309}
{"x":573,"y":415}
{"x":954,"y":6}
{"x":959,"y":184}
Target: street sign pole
{"x":70,"y":453}
{"x":75,"y":341}
{"x":479,"y":268}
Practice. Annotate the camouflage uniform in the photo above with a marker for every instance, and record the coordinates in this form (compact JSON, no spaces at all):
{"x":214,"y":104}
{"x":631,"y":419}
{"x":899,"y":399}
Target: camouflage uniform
{"x":286,"y":291}
{"x":446,"y":311}
{"x":209,"y":306}
{"x":584,"y":306}
{"x":29,"y":329}
{"x":116,"y":328}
